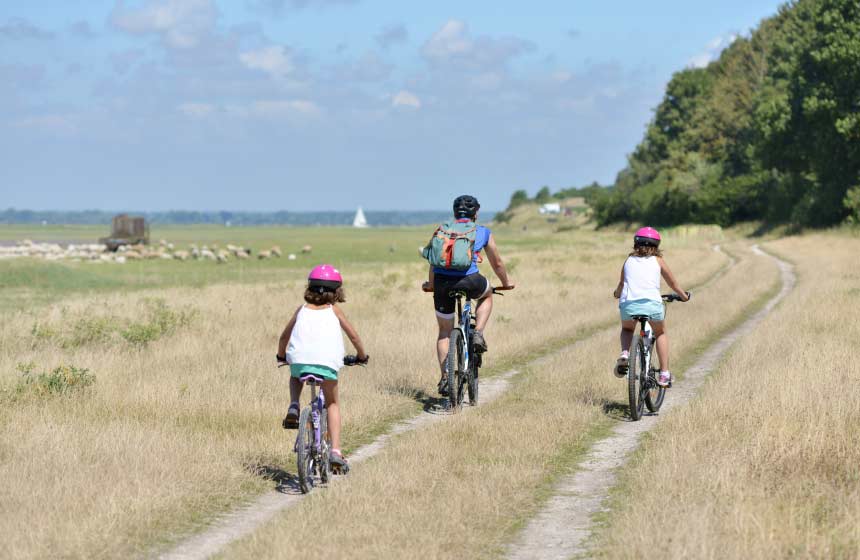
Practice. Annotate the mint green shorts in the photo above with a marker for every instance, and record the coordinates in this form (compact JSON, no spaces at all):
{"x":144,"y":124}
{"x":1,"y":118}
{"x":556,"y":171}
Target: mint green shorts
{"x":653,"y":309}
{"x":298,"y":370}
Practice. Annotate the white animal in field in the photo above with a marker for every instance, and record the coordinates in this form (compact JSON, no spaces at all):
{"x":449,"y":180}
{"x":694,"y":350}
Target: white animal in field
{"x":291,"y":257}
{"x":181,"y":255}
{"x":242,"y":254}
{"x":120,"y":260}
{"x":207,"y":254}
{"x":133,"y":255}
{"x":166,"y":256}
{"x":276,"y":251}
{"x":307,"y":249}
{"x":262,"y":255}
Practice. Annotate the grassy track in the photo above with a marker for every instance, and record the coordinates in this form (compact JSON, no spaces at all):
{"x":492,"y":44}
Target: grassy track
{"x":764,"y":463}
{"x":465,"y":486}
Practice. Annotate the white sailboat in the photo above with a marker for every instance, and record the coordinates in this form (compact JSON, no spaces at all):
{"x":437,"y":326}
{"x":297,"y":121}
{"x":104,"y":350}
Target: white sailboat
{"x":359,"y":220}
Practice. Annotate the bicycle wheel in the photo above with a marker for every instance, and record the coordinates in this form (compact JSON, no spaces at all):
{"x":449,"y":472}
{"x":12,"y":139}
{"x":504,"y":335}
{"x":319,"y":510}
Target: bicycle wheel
{"x":654,"y":394}
{"x":636,"y":379}
{"x":454,"y":366}
{"x":305,"y":451}
{"x":472,"y":378}
{"x":325,"y":448}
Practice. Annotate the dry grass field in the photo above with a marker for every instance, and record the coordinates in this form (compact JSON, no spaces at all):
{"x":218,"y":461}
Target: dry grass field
{"x":130,"y":418}
{"x":463,"y":488}
{"x":764,"y":464}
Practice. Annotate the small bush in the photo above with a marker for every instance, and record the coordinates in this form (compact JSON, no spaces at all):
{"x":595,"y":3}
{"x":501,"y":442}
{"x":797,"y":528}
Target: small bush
{"x":61,"y":380}
{"x":161,"y":321}
{"x":90,"y":330}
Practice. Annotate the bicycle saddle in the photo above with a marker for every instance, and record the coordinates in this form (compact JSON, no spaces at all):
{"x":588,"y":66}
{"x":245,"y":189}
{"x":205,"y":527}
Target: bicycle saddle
{"x":311,"y":378}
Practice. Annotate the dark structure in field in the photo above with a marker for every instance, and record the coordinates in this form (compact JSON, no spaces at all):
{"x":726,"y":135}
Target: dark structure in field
{"x":126,"y":230}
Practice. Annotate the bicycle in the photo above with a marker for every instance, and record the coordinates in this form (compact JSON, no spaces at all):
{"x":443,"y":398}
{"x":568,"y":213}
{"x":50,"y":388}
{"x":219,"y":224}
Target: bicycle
{"x":463,"y":363}
{"x":642,"y":386}
{"x":313,"y":442}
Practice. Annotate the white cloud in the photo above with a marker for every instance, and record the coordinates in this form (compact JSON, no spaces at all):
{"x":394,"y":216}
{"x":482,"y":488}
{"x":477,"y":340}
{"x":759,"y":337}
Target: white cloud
{"x":452,"y":44}
{"x":712,"y":51}
{"x":181,"y":23}
{"x":450,"y":40}
{"x":274,"y":60}
{"x":406,"y":99}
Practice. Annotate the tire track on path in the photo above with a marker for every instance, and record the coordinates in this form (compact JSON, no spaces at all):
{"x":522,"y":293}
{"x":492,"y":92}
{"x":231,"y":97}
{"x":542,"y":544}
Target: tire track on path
{"x":562,"y":528}
{"x":245,"y":520}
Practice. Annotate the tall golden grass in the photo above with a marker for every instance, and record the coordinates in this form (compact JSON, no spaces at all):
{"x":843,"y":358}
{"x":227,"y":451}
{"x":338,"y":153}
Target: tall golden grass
{"x":179,"y":428}
{"x":765,"y":463}
{"x":463,"y":488}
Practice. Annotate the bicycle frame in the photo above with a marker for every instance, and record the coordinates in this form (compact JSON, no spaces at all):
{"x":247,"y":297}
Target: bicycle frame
{"x":464,"y":312}
{"x":317,"y":406}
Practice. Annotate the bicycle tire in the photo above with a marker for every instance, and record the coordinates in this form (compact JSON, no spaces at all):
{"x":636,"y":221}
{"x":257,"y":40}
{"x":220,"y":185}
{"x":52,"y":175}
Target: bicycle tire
{"x":472,"y":387}
{"x":454,"y":366}
{"x":655,"y":394}
{"x":635,"y":379}
{"x":325,"y":449}
{"x":305,"y":451}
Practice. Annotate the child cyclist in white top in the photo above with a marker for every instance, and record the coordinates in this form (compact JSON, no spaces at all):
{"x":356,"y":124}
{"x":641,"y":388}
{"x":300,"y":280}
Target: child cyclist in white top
{"x":312,"y":343}
{"x":639,"y":292}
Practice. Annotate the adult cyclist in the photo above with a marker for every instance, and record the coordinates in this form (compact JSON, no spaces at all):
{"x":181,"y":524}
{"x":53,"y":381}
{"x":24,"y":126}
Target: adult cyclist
{"x":445,"y":281}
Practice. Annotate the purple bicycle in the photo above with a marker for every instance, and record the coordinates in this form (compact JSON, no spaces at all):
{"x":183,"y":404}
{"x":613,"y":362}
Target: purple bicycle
{"x":313,"y":442}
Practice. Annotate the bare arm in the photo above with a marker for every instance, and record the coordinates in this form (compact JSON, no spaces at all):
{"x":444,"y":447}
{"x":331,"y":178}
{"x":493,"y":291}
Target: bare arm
{"x":670,"y":279}
{"x":285,"y":336}
{"x":617,"y":292}
{"x":496,"y":262}
{"x":350,"y":331}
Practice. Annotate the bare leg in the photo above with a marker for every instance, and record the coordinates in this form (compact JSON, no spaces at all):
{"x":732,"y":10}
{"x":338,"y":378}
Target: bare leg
{"x":333,"y":406}
{"x":295,"y":389}
{"x":445,"y":328}
{"x":662,"y":343}
{"x":483,"y":312}
{"x":627,"y":330}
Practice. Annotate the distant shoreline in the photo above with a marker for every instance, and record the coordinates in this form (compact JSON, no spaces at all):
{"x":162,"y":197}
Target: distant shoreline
{"x":381,"y":218}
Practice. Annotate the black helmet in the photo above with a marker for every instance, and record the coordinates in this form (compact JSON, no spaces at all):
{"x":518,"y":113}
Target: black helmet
{"x":466,"y":206}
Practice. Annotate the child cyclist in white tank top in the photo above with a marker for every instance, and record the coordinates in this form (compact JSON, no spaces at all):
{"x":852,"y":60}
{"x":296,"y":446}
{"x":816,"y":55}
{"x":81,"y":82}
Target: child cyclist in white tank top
{"x":312,"y":343}
{"x":639,"y":294}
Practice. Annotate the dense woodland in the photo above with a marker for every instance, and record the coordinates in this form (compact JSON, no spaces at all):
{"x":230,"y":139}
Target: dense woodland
{"x":770,"y":131}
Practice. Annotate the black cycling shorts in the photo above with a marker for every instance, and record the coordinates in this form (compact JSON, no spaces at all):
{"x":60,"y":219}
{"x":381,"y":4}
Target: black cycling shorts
{"x":474,"y":285}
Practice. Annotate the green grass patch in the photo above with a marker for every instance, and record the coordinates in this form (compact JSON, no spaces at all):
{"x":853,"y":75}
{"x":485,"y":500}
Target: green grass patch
{"x":62,"y":380}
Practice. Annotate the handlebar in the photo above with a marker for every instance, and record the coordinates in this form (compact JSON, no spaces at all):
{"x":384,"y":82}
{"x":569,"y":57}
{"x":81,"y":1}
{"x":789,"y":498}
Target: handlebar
{"x":496,"y":289}
{"x":675,"y":297}
{"x":353,"y":360}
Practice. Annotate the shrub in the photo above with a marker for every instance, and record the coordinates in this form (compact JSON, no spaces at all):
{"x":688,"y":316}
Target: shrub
{"x":61,"y":380}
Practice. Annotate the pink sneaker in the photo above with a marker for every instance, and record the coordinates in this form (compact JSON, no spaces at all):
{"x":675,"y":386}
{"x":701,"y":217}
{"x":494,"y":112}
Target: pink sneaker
{"x":664,"y":379}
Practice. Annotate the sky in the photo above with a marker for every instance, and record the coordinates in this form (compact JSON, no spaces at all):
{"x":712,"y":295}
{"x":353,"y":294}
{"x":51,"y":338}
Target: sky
{"x":331,"y":104}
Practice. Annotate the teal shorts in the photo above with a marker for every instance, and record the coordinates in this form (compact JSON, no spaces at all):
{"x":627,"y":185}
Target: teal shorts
{"x":299,"y":370}
{"x":653,"y":309}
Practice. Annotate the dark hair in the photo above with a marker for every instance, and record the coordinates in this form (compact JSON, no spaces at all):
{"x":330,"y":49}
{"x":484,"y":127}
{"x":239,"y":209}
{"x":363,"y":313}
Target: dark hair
{"x":646,"y":251}
{"x":318,"y":295}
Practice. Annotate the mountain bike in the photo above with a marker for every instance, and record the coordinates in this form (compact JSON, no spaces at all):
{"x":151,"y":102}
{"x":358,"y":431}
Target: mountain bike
{"x":313,"y":442}
{"x":642,"y":386}
{"x":463,"y":363}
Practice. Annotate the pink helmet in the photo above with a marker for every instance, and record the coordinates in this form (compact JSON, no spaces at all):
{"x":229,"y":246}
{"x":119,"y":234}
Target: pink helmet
{"x":647,"y":236}
{"x":325,"y":276}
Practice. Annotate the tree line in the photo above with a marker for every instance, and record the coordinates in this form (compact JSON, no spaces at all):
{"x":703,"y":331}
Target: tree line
{"x":770,"y":131}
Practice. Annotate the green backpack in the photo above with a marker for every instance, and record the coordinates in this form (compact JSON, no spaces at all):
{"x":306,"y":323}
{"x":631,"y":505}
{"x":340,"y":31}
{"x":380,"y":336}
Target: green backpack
{"x":452,"y":246}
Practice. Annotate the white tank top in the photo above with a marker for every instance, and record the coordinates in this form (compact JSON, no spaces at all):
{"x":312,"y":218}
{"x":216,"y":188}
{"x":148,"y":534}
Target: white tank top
{"x":316,"y":339}
{"x":641,"y":279}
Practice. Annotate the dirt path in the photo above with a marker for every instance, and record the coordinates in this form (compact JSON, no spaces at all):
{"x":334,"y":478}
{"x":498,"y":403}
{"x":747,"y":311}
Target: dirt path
{"x":245,"y":520}
{"x":562,"y":528}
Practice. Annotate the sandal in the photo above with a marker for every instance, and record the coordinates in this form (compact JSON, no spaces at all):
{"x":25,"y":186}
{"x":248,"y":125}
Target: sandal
{"x":442,"y":387}
{"x":338,"y":463}
{"x":291,"y":421}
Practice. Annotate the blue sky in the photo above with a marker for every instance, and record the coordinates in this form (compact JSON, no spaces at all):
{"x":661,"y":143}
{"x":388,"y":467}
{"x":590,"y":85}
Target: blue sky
{"x":331,"y":104}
